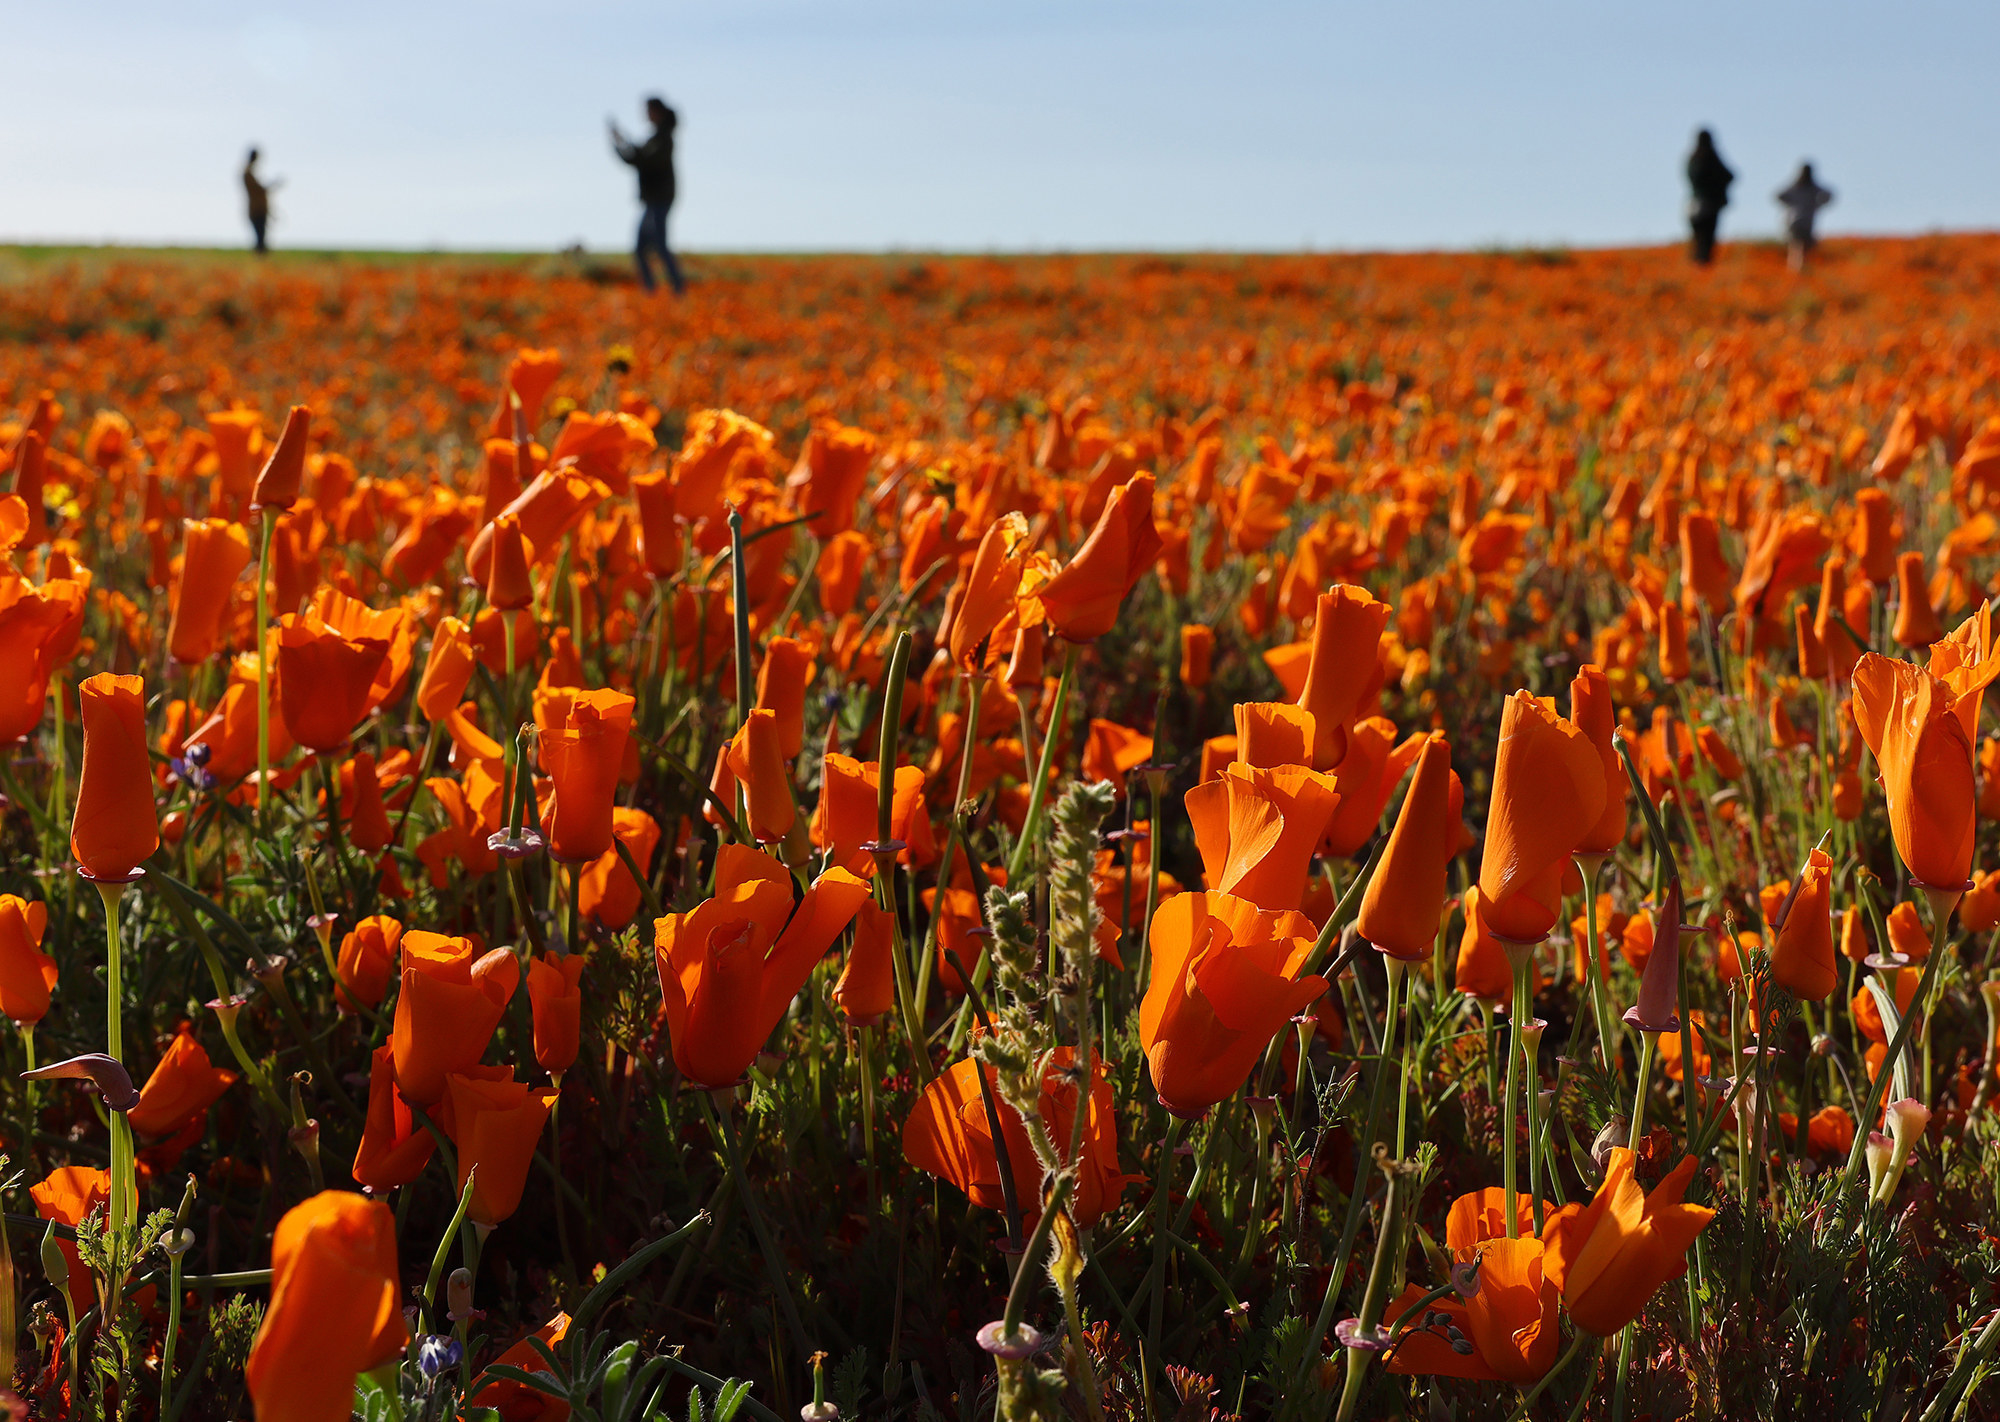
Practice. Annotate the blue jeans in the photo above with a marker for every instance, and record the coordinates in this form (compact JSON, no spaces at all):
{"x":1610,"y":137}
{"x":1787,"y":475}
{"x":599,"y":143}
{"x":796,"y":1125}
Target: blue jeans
{"x":653,"y":238}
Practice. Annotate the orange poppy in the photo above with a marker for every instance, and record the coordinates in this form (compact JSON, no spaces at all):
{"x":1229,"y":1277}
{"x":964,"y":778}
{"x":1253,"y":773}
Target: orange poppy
{"x":495,"y":1122}
{"x":215,"y":553}
{"x":453,"y":997}
{"x":1257,"y":830}
{"x":1608,"y":1257}
{"x":324,"y":679}
{"x":1549,"y":791}
{"x":116,"y":827}
{"x":1404,"y":900}
{"x":556,"y":1004}
{"x":27,"y":975}
{"x":180,"y":1090}
{"x":1907,"y":717}
{"x":583,"y":750}
{"x":1082,"y":601}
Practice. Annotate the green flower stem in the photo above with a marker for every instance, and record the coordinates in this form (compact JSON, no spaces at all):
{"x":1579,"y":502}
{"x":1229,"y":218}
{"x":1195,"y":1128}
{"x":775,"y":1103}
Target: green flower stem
{"x":724,"y":1129}
{"x":264,"y":671}
{"x":1864,"y":1122}
{"x":124,"y":1204}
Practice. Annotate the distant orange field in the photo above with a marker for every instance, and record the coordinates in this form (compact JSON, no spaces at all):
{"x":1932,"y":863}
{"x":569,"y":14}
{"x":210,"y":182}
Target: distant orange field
{"x":1085,"y":836}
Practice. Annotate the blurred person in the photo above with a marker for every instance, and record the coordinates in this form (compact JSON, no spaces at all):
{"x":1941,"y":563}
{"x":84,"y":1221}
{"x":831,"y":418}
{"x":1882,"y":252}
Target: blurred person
{"x":1802,"y":202}
{"x":1708,"y":185}
{"x":257,"y":194}
{"x":655,"y":161}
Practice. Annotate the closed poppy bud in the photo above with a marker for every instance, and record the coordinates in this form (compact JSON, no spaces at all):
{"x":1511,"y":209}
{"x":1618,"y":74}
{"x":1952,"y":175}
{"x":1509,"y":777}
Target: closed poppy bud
{"x":1404,"y":900}
{"x":336,"y":1308}
{"x":324,"y":679}
{"x":1674,"y":664}
{"x":1610,"y":1256}
{"x":1549,"y":790}
{"x":367,"y":961}
{"x":1225,"y":978}
{"x":1344,"y":673}
{"x":394,"y":1150}
{"x":1917,"y":622}
{"x":1721,"y":759}
{"x":758,"y":765}
{"x":1082,"y":600}
{"x":278,"y":486}
{"x":1854,"y":944}
{"x":1705,"y":573}
{"x":782,"y":683}
{"x":866,"y":990}
{"x":215,"y":553}
{"x":1812,"y":652}
{"x":116,"y":827}
{"x":557,"y":1006}
{"x":508,"y":585}
{"x":1978,"y":911}
{"x":1828,"y":629}
{"x":989,"y":588}
{"x":1591,"y":709}
{"x":1197,"y":653}
{"x":27,"y":975}
{"x":1802,"y":956}
{"x":451,"y":1001}
{"x":182,"y":1087}
{"x":1874,"y":538}
{"x":1024,"y":667}
{"x":361,"y":804}
{"x":583,"y":754}
{"x":1906,"y":932}
{"x":731,"y":965}
{"x":1907,"y":717}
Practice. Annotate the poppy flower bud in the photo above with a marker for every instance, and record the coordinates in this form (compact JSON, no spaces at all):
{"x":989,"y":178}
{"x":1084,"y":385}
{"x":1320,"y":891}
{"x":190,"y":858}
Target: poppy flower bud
{"x":1674,"y":665}
{"x":508,"y":585}
{"x":103,"y":1072}
{"x":278,"y":485}
{"x":334,"y":1309}
{"x":1880,"y":1154}
{"x":1197,"y":654}
{"x":583,"y":749}
{"x":27,"y":975}
{"x":1402,"y":906}
{"x":116,"y":827}
{"x":215,"y":553}
{"x":495,"y":1124}
{"x":458,"y":1296}
{"x":1659,"y":986}
{"x":1916,"y":620}
{"x":866,"y":990}
{"x":1802,"y":955}
{"x":557,"y":1007}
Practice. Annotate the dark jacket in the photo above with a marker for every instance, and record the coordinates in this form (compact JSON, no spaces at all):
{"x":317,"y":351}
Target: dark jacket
{"x":655,"y":161}
{"x":1709,"y":178}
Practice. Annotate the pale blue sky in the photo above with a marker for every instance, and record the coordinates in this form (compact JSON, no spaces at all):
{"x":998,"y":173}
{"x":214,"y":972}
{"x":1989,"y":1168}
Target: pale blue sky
{"x":935,"y":123}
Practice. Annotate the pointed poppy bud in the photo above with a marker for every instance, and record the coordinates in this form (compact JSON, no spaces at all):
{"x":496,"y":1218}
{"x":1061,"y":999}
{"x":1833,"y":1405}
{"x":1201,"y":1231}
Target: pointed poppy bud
{"x":508,"y":585}
{"x":335,"y":1307}
{"x":496,"y":1122}
{"x":116,"y":827}
{"x":1082,"y":600}
{"x":556,"y":1003}
{"x":367,"y":961}
{"x":27,"y":975}
{"x":1802,"y":955}
{"x":278,"y":486}
{"x":452,"y":999}
{"x":1674,"y":665}
{"x":325,"y":679}
{"x":1705,"y":573}
{"x":583,"y":749}
{"x":1609,"y":1257}
{"x":1840,"y":649}
{"x":214,"y":555}
{"x":1549,"y":790}
{"x":1225,"y":978}
{"x":1591,"y":709}
{"x":782,"y":683}
{"x":1659,"y":986}
{"x":1404,"y":901}
{"x":866,"y":990}
{"x":1906,"y":715}
{"x":757,"y":762}
{"x":729,"y":967}
{"x":989,"y":587}
{"x":1344,"y":673}
{"x":1916,"y":620}
{"x":110,"y":1078}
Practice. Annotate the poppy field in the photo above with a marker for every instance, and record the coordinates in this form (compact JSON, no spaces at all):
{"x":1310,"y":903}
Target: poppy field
{"x":1111,"y":838}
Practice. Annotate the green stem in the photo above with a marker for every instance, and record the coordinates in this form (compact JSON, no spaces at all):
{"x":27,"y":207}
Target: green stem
{"x":264,"y":670}
{"x":724,"y":1129}
{"x":1865,"y":1121}
{"x":124,"y":1202}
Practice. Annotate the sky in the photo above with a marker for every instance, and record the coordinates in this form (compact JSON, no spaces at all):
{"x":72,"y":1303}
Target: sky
{"x":999,"y":125}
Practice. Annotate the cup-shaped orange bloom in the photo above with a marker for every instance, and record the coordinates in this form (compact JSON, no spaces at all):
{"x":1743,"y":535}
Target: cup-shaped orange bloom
{"x":1082,"y":600}
{"x":1257,"y":829}
{"x":1509,"y":1318}
{"x":324,"y":679}
{"x":33,"y":622}
{"x":508,"y":585}
{"x":988,"y":588}
{"x":1344,"y":672}
{"x":782,"y":683}
{"x":949,"y":1135}
{"x":866,"y":990}
{"x":1785,"y":550}
{"x":826,"y":482}
{"x":215,"y":553}
{"x":554,"y":502}
{"x":729,"y":966}
{"x":68,"y":1195}
{"x":1197,"y":655}
{"x":336,"y":1308}
{"x":277,"y":486}
{"x":1802,"y":957}
{"x":1403,"y":903}
{"x":757,"y":761}
{"x":1978,"y":911}
{"x":394,"y":1149}
{"x":367,"y":961}
{"x":182,"y":1087}
{"x":1365,"y":778}
{"x":1907,"y":717}
{"x":27,"y":975}
{"x":495,"y":1122}
{"x":1609,"y":1256}
{"x":583,"y":749}
{"x":848,"y":813}
{"x":1225,"y":977}
{"x":607,"y":892}
{"x":116,"y":827}
{"x":556,"y":1002}
{"x":1548,"y":793}
{"x":452,"y":999}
